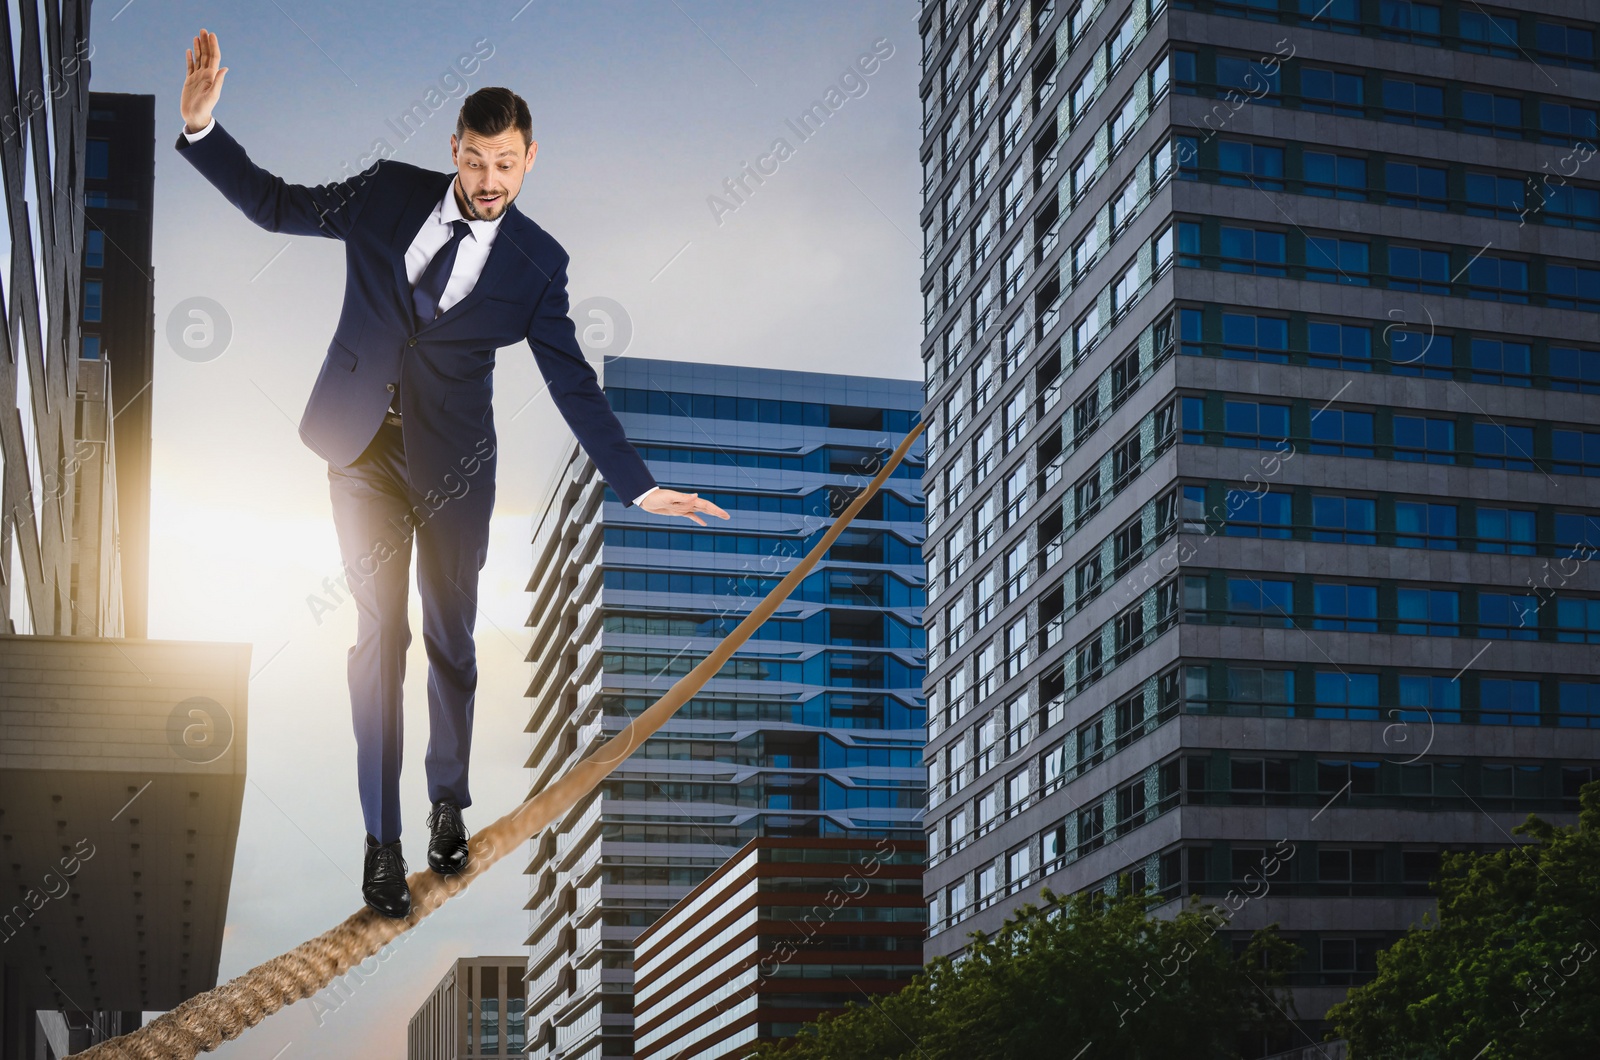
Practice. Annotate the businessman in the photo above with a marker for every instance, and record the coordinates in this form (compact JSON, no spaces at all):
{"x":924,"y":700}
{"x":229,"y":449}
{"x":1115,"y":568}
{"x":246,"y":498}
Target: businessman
{"x":441,"y":269}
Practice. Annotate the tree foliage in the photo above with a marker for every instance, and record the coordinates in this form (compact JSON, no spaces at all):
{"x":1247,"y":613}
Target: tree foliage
{"x":1086,"y":976}
{"x":1506,"y":969}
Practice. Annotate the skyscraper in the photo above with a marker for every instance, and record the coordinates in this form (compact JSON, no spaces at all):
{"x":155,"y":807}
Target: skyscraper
{"x":119,"y":312}
{"x":814,"y":729}
{"x":1262,"y":477}
{"x":122,"y":761}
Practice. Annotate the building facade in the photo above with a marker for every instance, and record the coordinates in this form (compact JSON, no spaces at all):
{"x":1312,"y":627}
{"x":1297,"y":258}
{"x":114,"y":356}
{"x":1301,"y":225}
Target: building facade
{"x":477,"y":1010}
{"x":815,"y":728}
{"x":785,"y":930}
{"x":96,"y":556}
{"x":118,"y":324}
{"x":1260,"y":353}
{"x":43,"y":99}
{"x":121,"y":760}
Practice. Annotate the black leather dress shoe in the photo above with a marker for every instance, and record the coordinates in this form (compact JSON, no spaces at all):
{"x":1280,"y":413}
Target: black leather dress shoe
{"x":447,"y":848}
{"x":383,"y":879}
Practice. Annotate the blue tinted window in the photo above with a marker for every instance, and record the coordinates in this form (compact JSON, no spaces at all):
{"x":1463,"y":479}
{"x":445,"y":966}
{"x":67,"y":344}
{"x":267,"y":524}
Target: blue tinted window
{"x":1420,"y":353}
{"x":1413,"y":104}
{"x":1508,"y":702}
{"x":1416,"y":269}
{"x":1487,"y":114}
{"x":1498,"y":445}
{"x":1408,"y":184}
{"x":1331,"y":91}
{"x":1506,"y":530}
{"x":1342,"y":694}
{"x":1572,"y":287}
{"x":1253,"y":425}
{"x":1497,"y":279}
{"x":1428,"y":612}
{"x":1487,"y":34}
{"x":1421,"y":525}
{"x":1575,"y":368}
{"x":1508,"y":616}
{"x":1425,"y":440}
{"x":1566,"y":45}
{"x":96,"y":160}
{"x":1339,"y":346}
{"x":1260,"y":602}
{"x":1564,"y":123}
{"x":1346,"y":607}
{"x":1575,"y":452}
{"x":1255,"y":338}
{"x":1341,"y":432}
{"x":1347,"y":519}
{"x":1336,"y":260}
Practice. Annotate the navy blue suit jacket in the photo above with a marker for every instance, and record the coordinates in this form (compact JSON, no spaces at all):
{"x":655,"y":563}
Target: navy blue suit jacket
{"x":443,"y":369}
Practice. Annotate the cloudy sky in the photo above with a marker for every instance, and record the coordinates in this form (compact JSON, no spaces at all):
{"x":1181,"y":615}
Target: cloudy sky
{"x":642,"y":110}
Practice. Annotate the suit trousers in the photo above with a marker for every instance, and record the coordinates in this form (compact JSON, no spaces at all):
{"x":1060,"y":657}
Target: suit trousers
{"x":377,"y":515}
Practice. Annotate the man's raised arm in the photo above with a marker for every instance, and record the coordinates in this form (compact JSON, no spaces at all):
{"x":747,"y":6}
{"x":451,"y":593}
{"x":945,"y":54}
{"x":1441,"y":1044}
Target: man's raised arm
{"x":269,"y":201}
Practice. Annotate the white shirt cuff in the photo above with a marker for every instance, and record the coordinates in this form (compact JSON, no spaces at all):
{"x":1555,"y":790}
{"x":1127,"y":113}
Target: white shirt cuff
{"x":640,"y":498}
{"x":192,"y":137}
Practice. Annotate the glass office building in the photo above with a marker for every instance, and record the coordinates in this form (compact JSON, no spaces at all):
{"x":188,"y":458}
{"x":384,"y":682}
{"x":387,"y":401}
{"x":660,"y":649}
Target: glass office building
{"x":1260,"y":349}
{"x":814,"y":729}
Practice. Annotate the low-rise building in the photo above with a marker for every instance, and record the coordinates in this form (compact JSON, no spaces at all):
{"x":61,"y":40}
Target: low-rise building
{"x":785,"y":930}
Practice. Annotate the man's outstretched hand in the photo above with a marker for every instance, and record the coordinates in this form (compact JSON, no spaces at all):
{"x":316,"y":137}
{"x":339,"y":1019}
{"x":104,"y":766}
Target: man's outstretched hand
{"x":203,"y":84}
{"x":689,"y":505}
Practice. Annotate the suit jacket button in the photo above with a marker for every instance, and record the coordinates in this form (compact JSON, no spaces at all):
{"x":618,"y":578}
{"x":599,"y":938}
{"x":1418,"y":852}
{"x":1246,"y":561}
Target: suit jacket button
{"x":391,"y":388}
{"x":413,"y":342}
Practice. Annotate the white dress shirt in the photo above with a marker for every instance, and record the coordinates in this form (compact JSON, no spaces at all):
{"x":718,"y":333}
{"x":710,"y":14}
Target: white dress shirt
{"x":436,"y":231}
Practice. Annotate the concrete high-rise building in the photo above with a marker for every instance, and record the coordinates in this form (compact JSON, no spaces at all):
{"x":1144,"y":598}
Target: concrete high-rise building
{"x":1260,"y":350}
{"x":815,"y":728}
{"x":476,"y":1010}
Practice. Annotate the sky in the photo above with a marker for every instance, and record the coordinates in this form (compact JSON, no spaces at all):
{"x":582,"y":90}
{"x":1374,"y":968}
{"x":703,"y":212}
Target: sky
{"x":642,"y":111}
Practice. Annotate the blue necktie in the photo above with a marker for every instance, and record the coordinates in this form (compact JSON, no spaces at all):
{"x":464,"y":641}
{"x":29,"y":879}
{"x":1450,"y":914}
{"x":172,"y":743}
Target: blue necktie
{"x":430,"y":285}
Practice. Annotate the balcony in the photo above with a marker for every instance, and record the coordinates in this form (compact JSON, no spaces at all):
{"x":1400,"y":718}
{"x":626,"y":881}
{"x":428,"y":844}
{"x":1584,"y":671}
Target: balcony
{"x":589,"y":579}
{"x":590,"y":939}
{"x":577,"y":832}
{"x":544,"y":947}
{"x":556,"y":979}
{"x":587,"y":691}
{"x":587,"y":980}
{"x":583,"y":548}
{"x":588,"y":656}
{"x":586,"y":1025}
{"x":587,"y":614}
{"x":588,"y":898}
{"x":590,"y":734}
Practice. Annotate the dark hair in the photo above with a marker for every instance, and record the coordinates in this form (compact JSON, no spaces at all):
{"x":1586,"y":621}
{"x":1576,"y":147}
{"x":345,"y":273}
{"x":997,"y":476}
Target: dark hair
{"x":491,"y":111}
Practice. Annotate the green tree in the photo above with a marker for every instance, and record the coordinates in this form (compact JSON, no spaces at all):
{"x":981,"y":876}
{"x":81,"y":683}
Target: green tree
{"x":1085,"y":976}
{"x":1505,"y":971}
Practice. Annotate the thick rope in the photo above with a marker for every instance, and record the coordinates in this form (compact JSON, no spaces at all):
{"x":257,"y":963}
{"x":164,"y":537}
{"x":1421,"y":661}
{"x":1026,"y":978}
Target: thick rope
{"x":221,"y":1014}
